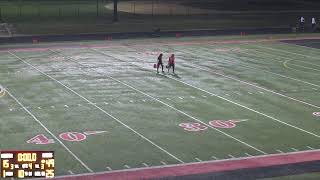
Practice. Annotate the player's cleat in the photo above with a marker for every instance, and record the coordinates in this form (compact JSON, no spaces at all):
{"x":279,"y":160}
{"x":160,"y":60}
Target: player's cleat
{"x":2,"y":91}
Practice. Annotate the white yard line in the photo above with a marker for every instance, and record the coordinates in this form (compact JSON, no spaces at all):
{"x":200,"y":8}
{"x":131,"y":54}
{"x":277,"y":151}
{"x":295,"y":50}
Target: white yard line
{"x":224,"y":56}
{"x":282,"y":57}
{"x":253,"y":85}
{"x":288,"y":52}
{"x":230,"y":101}
{"x":47,"y":129}
{"x":194,"y":118}
{"x":162,"y":162}
{"x":310,"y":147}
{"x":98,"y":107}
{"x":279,"y":151}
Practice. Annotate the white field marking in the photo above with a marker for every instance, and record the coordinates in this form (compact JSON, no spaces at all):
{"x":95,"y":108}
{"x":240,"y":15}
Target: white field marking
{"x":230,"y":155}
{"x":131,"y":101}
{"x":288,"y":52}
{"x":309,"y":147}
{"x":10,"y":109}
{"x":185,"y":164}
{"x":241,"y":120}
{"x":192,"y":97}
{"x":145,"y":164}
{"x":199,"y":160}
{"x":168,"y":99}
{"x":245,"y":107}
{"x":294,"y":149}
{"x":283,"y":57}
{"x":143,"y":100}
{"x":261,"y":92}
{"x":227,"y":95}
{"x":204,"y":96}
{"x":109,"y":168}
{"x":315,"y":89}
{"x":126,"y":166}
{"x":214,"y":157}
{"x":279,"y":151}
{"x":248,"y":154}
{"x":162,"y":162}
{"x":259,"y":87}
{"x":55,"y":137}
{"x":196,"y":119}
{"x":98,"y":107}
{"x":39,"y":107}
{"x":106,"y":103}
{"x":250,"y":93}
{"x":52,"y":107}
{"x":66,"y":106}
{"x":281,"y":75}
{"x":180,"y":98}
{"x":70,"y":172}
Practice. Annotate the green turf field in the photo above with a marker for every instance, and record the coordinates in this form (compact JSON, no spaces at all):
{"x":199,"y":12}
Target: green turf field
{"x":226,"y":100}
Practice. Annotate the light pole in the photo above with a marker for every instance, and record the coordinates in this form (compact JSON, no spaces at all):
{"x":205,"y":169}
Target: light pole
{"x":115,"y":10}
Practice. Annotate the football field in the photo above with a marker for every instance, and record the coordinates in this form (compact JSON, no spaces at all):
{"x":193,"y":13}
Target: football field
{"x":101,"y":106}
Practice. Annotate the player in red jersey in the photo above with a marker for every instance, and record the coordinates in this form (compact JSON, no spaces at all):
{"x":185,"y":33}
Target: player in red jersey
{"x":171,"y":63}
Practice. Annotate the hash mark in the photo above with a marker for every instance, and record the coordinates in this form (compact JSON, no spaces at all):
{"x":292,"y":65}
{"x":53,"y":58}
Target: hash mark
{"x":131,"y":101}
{"x":198,"y":159}
{"x":214,"y":157}
{"x":145,"y":164}
{"x":52,"y":107}
{"x":66,"y":106}
{"x":79,"y":105}
{"x":168,"y":99}
{"x":230,"y":155}
{"x":109,"y":168}
{"x":248,"y":154}
{"x":204,"y":96}
{"x":310,"y":147}
{"x":314,"y":89}
{"x":106,"y":103}
{"x":192,"y":97}
{"x":250,"y":92}
{"x":126,"y":166}
{"x":10,"y":109}
{"x":163,"y":163}
{"x":180,"y":98}
{"x":279,"y":151}
{"x":143,"y":100}
{"x":294,"y":149}
{"x":39,"y":107}
{"x":70,"y":172}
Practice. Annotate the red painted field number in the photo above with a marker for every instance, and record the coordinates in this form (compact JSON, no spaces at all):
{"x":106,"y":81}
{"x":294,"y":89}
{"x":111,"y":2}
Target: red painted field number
{"x":73,"y":136}
{"x":40,"y":139}
{"x":66,"y":136}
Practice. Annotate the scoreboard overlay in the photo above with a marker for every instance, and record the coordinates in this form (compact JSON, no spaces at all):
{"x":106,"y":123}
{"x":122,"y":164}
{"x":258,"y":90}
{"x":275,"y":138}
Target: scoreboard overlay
{"x":27,"y":164}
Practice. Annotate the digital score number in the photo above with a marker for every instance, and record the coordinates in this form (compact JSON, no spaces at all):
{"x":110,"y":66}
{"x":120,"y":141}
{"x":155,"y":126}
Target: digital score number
{"x":27,"y":164}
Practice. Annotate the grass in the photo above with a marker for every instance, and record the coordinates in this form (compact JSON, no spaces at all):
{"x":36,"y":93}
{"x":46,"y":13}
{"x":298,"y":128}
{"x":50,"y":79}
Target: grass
{"x":116,"y":90}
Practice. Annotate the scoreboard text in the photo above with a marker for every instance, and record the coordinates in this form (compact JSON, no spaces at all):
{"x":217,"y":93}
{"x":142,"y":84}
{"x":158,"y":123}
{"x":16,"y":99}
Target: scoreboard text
{"x":27,"y":164}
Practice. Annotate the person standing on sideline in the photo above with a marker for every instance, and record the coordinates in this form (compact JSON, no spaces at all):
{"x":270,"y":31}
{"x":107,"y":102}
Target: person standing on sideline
{"x":313,"y":24}
{"x":160,"y":63}
{"x":302,"y":24}
{"x":171,"y":63}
